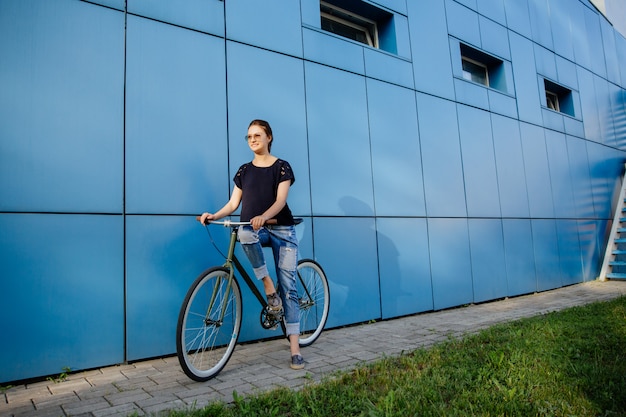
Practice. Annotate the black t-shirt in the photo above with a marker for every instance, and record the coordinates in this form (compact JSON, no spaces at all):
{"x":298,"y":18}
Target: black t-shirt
{"x":259,"y":186}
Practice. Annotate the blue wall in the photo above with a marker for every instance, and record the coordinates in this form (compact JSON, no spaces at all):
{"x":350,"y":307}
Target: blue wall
{"x":121,"y":120}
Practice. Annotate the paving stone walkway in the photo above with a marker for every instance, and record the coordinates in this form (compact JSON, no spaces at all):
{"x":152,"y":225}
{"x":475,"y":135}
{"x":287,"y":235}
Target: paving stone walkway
{"x":150,"y":387}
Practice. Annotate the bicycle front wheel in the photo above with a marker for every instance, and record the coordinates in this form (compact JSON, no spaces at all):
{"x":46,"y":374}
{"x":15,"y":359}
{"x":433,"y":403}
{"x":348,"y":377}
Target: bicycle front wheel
{"x":314,"y":297}
{"x":208,"y":324}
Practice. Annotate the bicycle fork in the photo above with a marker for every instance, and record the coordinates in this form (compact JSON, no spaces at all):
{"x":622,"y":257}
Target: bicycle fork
{"x":218,"y":284}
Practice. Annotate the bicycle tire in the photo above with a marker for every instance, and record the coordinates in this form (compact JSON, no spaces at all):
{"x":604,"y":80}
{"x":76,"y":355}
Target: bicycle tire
{"x":314,"y":301}
{"x":203,"y":344}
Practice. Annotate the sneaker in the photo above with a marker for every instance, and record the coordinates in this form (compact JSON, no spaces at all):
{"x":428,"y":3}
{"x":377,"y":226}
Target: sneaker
{"x":297,"y":362}
{"x":274,"y":302}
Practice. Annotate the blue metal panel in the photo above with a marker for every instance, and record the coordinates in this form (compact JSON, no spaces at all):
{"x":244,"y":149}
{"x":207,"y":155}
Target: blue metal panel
{"x":552,"y":119}
{"x":271,"y":25}
{"x":470,"y":93}
{"x":279,"y":80}
{"x":503,"y":104}
{"x":455,"y":56}
{"x":403,"y":42}
{"x":510,"y":85}
{"x":560,"y":24}
{"x":610,"y":52}
{"x":582,"y":53}
{"x":609,"y":41}
{"x":304,"y":231}
{"x":346,"y":249}
{"x":545,"y":62}
{"x":510,"y":167}
{"x":396,"y":155}
{"x":560,"y":175}
{"x":547,"y":261}
{"x":519,"y":256}
{"x":462,"y":23}
{"x":589,"y":105}
{"x":116,"y":4}
{"x":592,"y":235}
{"x":581,"y":178}
{"x":525,"y":75}
{"x":451,"y":266}
{"x":566,"y":73}
{"x":593,"y":35}
{"x":164,"y":257}
{"x":573,"y":126}
{"x":569,"y":251}
{"x":494,"y":38}
{"x":614,"y":169}
{"x":57,"y":152}
{"x":386,"y":67}
{"x":441,"y":157}
{"x":203,"y":15}
{"x":537,"y":171}
{"x":405,"y":284}
{"x":620,"y":123}
{"x":488,"y":261}
{"x":601,"y":184}
{"x":310,"y":10}
{"x":397,"y":5}
{"x":468,"y":3}
{"x":63,"y":289}
{"x":493,"y":9}
{"x":429,"y":44}
{"x":518,"y":16}
{"x":620,"y":45}
{"x":332,"y":50}
{"x":603,"y":100}
{"x":338,"y":128}
{"x":540,"y":22}
{"x":479,"y":166}
{"x":175,"y":119}
{"x":615,"y":116}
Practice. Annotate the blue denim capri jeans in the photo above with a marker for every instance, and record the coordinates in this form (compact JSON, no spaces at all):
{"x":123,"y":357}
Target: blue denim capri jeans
{"x":284,"y":244}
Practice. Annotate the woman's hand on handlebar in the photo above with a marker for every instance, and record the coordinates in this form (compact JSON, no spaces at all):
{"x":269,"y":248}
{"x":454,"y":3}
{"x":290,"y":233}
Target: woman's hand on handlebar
{"x":204,"y":217}
{"x":257,"y":222}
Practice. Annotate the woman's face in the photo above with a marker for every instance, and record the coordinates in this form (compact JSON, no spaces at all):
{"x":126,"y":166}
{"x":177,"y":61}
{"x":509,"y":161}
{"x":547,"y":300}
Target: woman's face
{"x":258,"y":140}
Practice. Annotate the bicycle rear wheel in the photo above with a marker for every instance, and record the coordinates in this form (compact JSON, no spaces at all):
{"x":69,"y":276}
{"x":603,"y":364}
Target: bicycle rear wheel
{"x":314,"y":296}
{"x":204,"y":339}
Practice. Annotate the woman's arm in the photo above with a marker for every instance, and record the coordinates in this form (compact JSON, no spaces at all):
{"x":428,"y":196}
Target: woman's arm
{"x":281,"y":200}
{"x":228,"y":208}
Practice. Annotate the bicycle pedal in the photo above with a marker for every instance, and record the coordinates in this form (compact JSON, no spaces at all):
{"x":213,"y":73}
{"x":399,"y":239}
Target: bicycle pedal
{"x":274,"y":313}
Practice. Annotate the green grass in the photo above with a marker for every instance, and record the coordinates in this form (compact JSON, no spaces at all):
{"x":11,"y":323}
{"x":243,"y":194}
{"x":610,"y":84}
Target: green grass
{"x":569,"y":363}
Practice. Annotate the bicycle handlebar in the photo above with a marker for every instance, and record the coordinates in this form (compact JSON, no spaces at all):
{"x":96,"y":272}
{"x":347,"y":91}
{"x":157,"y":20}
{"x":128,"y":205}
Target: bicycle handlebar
{"x":230,"y":223}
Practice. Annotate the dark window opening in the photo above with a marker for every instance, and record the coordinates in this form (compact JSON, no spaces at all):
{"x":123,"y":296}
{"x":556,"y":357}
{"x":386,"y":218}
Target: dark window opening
{"x":360,"y":22}
{"x":559,"y":98}
{"x":483,"y":68}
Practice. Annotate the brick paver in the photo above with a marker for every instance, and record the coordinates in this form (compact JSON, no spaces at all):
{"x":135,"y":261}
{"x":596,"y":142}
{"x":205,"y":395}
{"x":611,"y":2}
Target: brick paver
{"x":152,"y":386}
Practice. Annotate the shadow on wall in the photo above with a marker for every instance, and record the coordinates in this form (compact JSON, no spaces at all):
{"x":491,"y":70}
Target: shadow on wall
{"x":395,"y":288}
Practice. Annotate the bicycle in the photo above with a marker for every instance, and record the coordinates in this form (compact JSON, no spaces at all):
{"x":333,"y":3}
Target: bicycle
{"x":209,"y":321}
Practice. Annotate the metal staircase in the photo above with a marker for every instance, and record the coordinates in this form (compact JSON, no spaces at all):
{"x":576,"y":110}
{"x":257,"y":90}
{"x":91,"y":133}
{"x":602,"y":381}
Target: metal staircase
{"x":614,"y":263}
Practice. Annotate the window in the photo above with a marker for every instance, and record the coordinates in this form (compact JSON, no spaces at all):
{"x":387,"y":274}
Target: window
{"x":475,"y":71}
{"x":482,"y":68}
{"x":359,"y":21}
{"x":552,"y":101}
{"x":349,"y":25}
{"x":558,"y":98}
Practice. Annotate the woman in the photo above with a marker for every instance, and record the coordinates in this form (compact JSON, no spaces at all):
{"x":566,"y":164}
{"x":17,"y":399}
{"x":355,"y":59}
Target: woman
{"x":262,"y":186}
